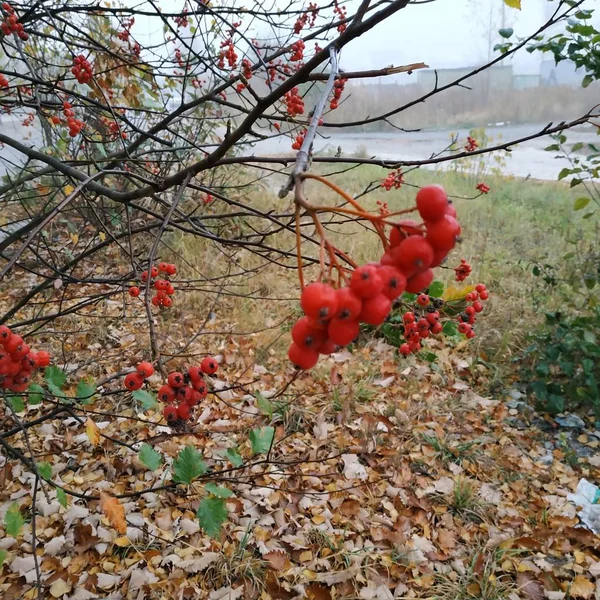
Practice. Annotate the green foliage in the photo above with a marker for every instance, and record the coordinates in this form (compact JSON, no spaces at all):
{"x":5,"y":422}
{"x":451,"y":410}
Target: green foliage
{"x":16,"y":403}
{"x":45,"y":470}
{"x":188,"y":465}
{"x":35,"y":394}
{"x":55,"y":376}
{"x":261,"y":439}
{"x":217,"y":490}
{"x":13,"y":520}
{"x":86,"y":390}
{"x":3,"y":555}
{"x":147,"y":400}
{"x":234,"y":457}
{"x":562,"y":364}
{"x":61,"y":496}
{"x":150,"y":457}
{"x":212,"y":513}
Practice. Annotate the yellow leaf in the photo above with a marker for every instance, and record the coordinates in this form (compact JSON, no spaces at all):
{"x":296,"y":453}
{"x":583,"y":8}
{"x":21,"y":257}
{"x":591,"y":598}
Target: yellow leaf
{"x":122,"y":541}
{"x":68,"y":190}
{"x":74,"y":238}
{"x":102,"y":236}
{"x":581,"y":588}
{"x":114,"y":511}
{"x":513,"y":3}
{"x":93,"y":432}
{"x":456,"y":293}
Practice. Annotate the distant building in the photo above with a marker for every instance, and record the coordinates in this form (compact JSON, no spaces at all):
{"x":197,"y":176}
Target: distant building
{"x":563,"y":73}
{"x":492,"y":78}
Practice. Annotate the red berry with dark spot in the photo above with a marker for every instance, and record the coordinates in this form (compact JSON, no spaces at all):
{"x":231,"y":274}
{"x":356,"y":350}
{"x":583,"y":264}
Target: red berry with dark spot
{"x":305,"y":336}
{"x":183,"y":393}
{"x":419,"y":282}
{"x":175,"y":379}
{"x":166,"y":393}
{"x":195,"y":374}
{"x":394,"y":282}
{"x":145,"y":369}
{"x":404,"y":349}
{"x":349,"y":304}
{"x":134,"y":291}
{"x":484,"y":295}
{"x":5,"y":334}
{"x":342,"y":332}
{"x":375,"y":310}
{"x":423,"y":300}
{"x":413,"y":255}
{"x":408,"y":317}
{"x":365,"y":282}
{"x":432,"y":202}
{"x":443,"y":234}
{"x":319,"y":301}
{"x":133,"y":381}
{"x":477,"y":306}
{"x":209,"y":365}
{"x":170,"y":414}
{"x":302,"y":358}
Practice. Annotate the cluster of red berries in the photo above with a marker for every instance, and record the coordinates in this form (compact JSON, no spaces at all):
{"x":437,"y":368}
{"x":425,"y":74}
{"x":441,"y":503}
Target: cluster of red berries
{"x":297,"y":51}
{"x":333,"y":316}
{"x":227,"y":53}
{"x":11,"y":23}
{"x":134,"y":381}
{"x":246,"y":69}
{"x":182,"y":20}
{"x":338,"y":90}
{"x":395,"y":179}
{"x":463,"y":270}
{"x":82,"y":69}
{"x":125,"y":33}
{"x":17,"y":361}
{"x":310,"y":16}
{"x":187,"y":390}
{"x":294,"y":103}
{"x":471,"y":144}
{"x":383,"y":208}
{"x":75,"y":125}
{"x":164,"y":288}
{"x":299,"y":140}
{"x":468,"y":317}
{"x":3,"y":81}
{"x":484,"y":189}
{"x":341,"y":12}
{"x":418,"y":327}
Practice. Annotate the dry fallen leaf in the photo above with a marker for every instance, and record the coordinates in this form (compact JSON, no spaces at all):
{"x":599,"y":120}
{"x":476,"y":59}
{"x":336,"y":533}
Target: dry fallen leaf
{"x":114,"y":511}
{"x":92,"y":432}
{"x":581,"y":588}
{"x":278,"y":560}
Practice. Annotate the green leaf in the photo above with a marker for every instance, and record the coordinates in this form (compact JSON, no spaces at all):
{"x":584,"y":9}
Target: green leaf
{"x":188,"y":465}
{"x":56,"y":391}
{"x":16,"y":403}
{"x":13,"y":520}
{"x":264,"y":404}
{"x":587,"y":80}
{"x":3,"y":555}
{"x":261,"y":439}
{"x":450,"y":329}
{"x":234,"y":457}
{"x":217,"y":490}
{"x":436,"y":289}
{"x":577,"y":146}
{"x":150,"y":457}
{"x":555,"y":404}
{"x":147,"y":400}
{"x":36,"y":394}
{"x":85,"y":391}
{"x":45,"y":470}
{"x":408,"y":297}
{"x":552,"y":148}
{"x":61,"y":496}
{"x":212,"y":513}
{"x":55,"y":376}
{"x":564,"y":173}
{"x":575,"y":181}
{"x":581,"y":203}
{"x":506,"y":32}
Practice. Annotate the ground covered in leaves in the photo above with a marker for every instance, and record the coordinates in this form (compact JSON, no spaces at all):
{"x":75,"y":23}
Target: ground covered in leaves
{"x":371,"y":477}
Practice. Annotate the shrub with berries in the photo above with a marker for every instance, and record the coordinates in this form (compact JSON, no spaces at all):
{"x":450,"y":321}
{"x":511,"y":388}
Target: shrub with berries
{"x":18,"y":362}
{"x":338,"y":89}
{"x":294,"y":103}
{"x":10,"y":25}
{"x":82,"y":69}
{"x":163,"y":286}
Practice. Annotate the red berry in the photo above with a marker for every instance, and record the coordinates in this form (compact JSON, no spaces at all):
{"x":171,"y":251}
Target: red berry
{"x":480,"y":287}
{"x":451,"y":210}
{"x":209,"y":365}
{"x":194,"y":398}
{"x":154,"y":272}
{"x":342,"y":332}
{"x":145,"y":369}
{"x":200,"y":387}
{"x":30,"y":362}
{"x":133,"y":381}
{"x":328,"y":347}
{"x":419,"y":282}
{"x":156,"y":301}
{"x":349,"y":304}
{"x":161,"y":284}
{"x":437,"y":328}
{"x":387,"y":260}
{"x":394,"y":282}
{"x":302,"y":358}
{"x":195,"y":374}
{"x":163,"y":267}
{"x":306,"y":336}
{"x":134,"y":291}
{"x":5,"y":334}
{"x":175,"y":379}
{"x":408,"y":317}
{"x":170,"y":289}
{"x":443,"y":234}
{"x":167,"y":301}
{"x":365,"y":282}
{"x":484,"y":295}
{"x":319,"y":301}
{"x":13,"y":342}
{"x":19,"y":352}
{"x":166,"y":393}
{"x":423,"y":300}
{"x":170,"y":414}
{"x":376,"y":309}
{"x":464,"y":328}
{"x":144,"y":276}
{"x":171,"y":269}
{"x":413,"y":255}
{"x":477,"y":306}
{"x":43,"y":358}
{"x":432,"y":317}
{"x":405,"y":349}
{"x":432,"y":202}
{"x":439,"y":256}
{"x":471,"y":334}
{"x":470,"y":310}
{"x":183,"y":393}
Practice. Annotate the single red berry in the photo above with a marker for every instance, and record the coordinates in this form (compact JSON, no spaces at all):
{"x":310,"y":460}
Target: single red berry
{"x":5,"y":334}
{"x":437,"y":328}
{"x":170,"y":413}
{"x":432,"y":202}
{"x":433,"y":317}
{"x":23,"y":378}
{"x":170,"y":289}
{"x":443,"y":234}
{"x":451,"y":210}
{"x":183,"y":393}
{"x":194,"y":398}
{"x":365,"y":282}
{"x":162,"y":267}
{"x":375,"y":310}
{"x":413,"y":255}
{"x":161,"y":284}
{"x":470,"y":310}
{"x":484,"y":295}
{"x":133,"y":381}
{"x":408,"y":317}
{"x":394,"y":282}
{"x":200,"y":387}
{"x":175,"y":379}
{"x":209,"y":365}
{"x":480,"y":287}
{"x":423,"y":300}
{"x":302,"y":358}
{"x":154,"y":272}
{"x":342,"y":332}
{"x":319,"y":301}
{"x":195,"y":374}
{"x":349,"y":304}
{"x":477,"y":306}
{"x":156,"y":300}
{"x":134,"y":291}
{"x":43,"y":358}
{"x":171,"y":269}
{"x":464,"y":327}
{"x":471,"y":334}
{"x":404,"y":349}
{"x":144,"y":276}
{"x":419,"y":282}
{"x":145,"y":369}
{"x":328,"y":347}
{"x":13,"y":342}
{"x":306,"y":336}
{"x":166,"y":393}
{"x":19,"y":352}
{"x":30,"y":361}
{"x":167,"y":301}
{"x":439,"y":256}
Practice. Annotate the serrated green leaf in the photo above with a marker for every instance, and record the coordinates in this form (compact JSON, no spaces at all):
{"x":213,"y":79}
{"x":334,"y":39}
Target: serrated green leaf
{"x":261,"y":439}
{"x":86,"y":390}
{"x":35,"y":394}
{"x":16,"y":403}
{"x":13,"y":520}
{"x":188,"y":465}
{"x":436,"y":289}
{"x":581,"y":203}
{"x":56,"y":391}
{"x":3,"y":555}
{"x":147,"y":400}
{"x":264,"y":405}
{"x":45,"y":470}
{"x":234,"y":457}
{"x":212,"y":513}
{"x":217,"y":490}
{"x":150,"y":457}
{"x":61,"y":496}
{"x":450,"y":328}
{"x":55,"y":376}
